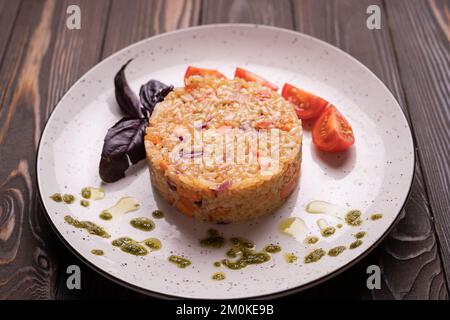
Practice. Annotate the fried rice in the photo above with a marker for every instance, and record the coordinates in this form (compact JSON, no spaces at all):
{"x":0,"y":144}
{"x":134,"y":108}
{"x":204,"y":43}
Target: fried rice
{"x":224,"y":150}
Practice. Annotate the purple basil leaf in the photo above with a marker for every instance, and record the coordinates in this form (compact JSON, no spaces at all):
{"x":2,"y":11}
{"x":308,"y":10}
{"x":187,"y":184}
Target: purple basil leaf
{"x":113,"y":169}
{"x":153,"y":92}
{"x":125,"y":97}
{"x":124,"y":142}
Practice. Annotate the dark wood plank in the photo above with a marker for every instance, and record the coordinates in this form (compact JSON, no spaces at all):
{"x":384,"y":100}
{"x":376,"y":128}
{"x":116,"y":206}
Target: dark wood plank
{"x":441,"y":15}
{"x":343,"y":24}
{"x":420,"y":32}
{"x":270,"y":12}
{"x":131,"y":21}
{"x":41,"y":62}
{"x":8,"y":15}
{"x":409,"y":258}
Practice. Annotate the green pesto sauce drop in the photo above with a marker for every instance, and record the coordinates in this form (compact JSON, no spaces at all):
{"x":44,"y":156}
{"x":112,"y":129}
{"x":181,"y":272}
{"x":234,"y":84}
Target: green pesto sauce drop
{"x":56,"y":197}
{"x":233,"y":252}
{"x":84,"y":203}
{"x":86,"y":193}
{"x":336,"y":251}
{"x":93,"y":193}
{"x":158,"y":214}
{"x":315,"y":256}
{"x":272,"y":248}
{"x":130,"y":246}
{"x":376,"y":216}
{"x":90,"y":227}
{"x":68,"y":198}
{"x":254,"y":258}
{"x":328,"y":231}
{"x":242,"y":249}
{"x":234,"y":265}
{"x":97,"y":252}
{"x":134,"y":249}
{"x":217,"y":264}
{"x":246,"y":257}
{"x":353,"y":218}
{"x":360,"y":235}
{"x":290,"y":257}
{"x":180,"y":261}
{"x":355,"y":244}
{"x":153,"y":243}
{"x":218,"y":276}
{"x":214,"y":240}
{"x":106,"y":215}
{"x":311,"y":240}
{"x":142,"y":223}
{"x":121,"y":241}
{"x":242,"y":242}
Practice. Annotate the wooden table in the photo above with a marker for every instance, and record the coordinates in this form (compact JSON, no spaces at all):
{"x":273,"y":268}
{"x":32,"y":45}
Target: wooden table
{"x":40,"y":58}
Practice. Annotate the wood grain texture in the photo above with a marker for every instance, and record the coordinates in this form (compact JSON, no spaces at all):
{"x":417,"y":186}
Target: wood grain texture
{"x":8,"y":15}
{"x":131,"y":21}
{"x":441,"y":12}
{"x":423,"y":57}
{"x":42,"y":60}
{"x":410,"y":260}
{"x":270,"y":12}
{"x":410,"y":244}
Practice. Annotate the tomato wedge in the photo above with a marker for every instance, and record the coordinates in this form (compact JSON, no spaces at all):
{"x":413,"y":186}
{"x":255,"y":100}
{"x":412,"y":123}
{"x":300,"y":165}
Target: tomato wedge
{"x":332,"y":132}
{"x":307,"y":106}
{"x":253,"y":77}
{"x":194,"y":71}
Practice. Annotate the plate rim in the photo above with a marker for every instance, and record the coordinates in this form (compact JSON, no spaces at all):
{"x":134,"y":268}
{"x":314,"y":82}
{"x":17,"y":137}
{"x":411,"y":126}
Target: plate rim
{"x":278,"y":294}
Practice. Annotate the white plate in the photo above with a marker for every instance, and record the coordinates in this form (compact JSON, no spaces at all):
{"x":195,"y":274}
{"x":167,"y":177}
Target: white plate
{"x":374,"y":176}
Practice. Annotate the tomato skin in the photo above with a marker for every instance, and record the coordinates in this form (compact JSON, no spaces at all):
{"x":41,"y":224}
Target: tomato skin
{"x":332,"y":132}
{"x":194,"y":71}
{"x":253,"y":77}
{"x":307,"y":105}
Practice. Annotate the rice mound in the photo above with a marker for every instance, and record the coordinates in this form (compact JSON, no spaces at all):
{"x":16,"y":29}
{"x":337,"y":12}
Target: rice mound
{"x":224,"y":150}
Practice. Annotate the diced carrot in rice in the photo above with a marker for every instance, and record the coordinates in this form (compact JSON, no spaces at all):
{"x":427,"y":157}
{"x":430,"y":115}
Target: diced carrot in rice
{"x":186,"y":206}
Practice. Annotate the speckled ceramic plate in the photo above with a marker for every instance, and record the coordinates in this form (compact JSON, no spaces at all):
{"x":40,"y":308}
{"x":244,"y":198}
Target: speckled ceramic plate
{"x":374,"y":176}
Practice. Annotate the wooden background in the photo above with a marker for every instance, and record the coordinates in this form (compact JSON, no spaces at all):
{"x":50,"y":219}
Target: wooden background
{"x":40,"y":59}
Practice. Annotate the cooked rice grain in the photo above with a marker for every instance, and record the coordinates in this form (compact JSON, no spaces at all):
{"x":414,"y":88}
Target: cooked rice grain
{"x":209,"y":149}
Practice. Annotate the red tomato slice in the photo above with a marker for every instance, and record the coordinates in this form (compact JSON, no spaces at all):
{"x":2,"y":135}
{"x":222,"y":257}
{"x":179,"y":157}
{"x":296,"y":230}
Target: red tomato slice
{"x":194,"y":71}
{"x":307,"y":106}
{"x":250,"y":76}
{"x":332,"y":132}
